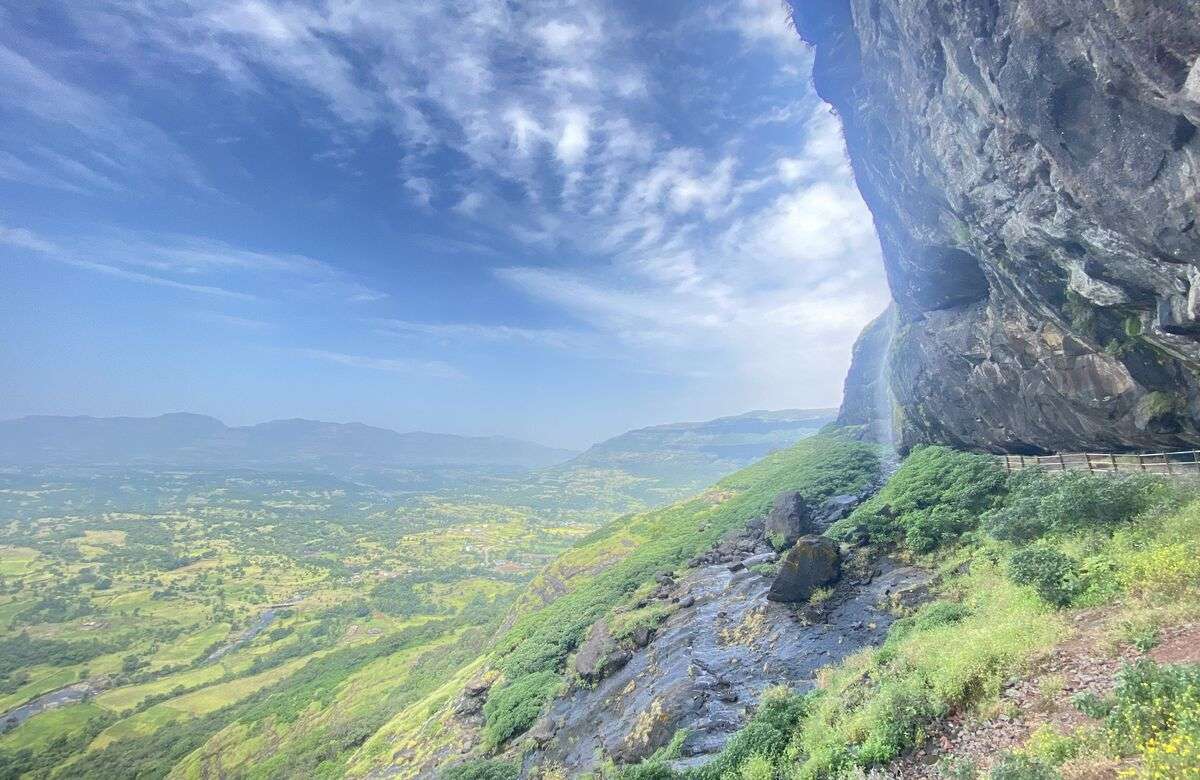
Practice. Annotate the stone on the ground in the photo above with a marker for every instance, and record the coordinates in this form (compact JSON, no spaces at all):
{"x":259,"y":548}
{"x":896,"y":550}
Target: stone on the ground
{"x":599,"y":655}
{"x":790,"y":518}
{"x":811,"y":563}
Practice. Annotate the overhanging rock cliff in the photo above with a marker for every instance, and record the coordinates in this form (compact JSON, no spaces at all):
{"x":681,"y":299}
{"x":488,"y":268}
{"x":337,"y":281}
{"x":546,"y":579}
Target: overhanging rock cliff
{"x":1033,"y":168}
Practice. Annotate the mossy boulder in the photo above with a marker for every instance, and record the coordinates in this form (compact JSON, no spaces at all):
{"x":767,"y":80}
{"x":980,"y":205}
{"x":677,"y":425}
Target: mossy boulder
{"x":813,"y":562}
{"x":600,"y":655}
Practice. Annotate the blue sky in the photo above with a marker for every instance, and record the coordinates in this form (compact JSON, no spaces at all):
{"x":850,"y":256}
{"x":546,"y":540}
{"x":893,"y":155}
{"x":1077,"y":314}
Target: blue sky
{"x":550,"y":220}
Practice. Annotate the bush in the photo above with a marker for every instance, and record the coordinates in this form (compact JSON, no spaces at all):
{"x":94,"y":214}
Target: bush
{"x":1016,"y":766}
{"x":483,"y":770}
{"x":1052,"y":574}
{"x":935,"y":496}
{"x":512,"y":708}
{"x":1154,"y":706}
{"x":763,"y":741}
{"x":1040,"y":503}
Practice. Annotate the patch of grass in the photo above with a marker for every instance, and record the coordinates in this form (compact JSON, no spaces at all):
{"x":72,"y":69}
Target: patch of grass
{"x":483,"y":770}
{"x":934,"y":497}
{"x":514,"y":708}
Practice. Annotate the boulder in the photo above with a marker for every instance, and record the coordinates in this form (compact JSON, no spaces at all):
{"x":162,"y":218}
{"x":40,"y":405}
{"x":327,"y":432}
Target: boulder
{"x":813,"y":562}
{"x":641,"y":636}
{"x":543,"y":731}
{"x":599,"y":655}
{"x":790,"y":518}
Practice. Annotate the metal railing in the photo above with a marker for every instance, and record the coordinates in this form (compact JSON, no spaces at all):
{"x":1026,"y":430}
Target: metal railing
{"x":1185,"y":463}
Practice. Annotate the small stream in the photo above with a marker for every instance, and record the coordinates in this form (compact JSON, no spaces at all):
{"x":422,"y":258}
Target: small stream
{"x":71,"y":694}
{"x":247,"y":635}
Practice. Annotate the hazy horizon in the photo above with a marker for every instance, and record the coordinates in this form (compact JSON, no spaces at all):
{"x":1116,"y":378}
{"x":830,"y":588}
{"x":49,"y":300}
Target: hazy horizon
{"x":555,"y":223}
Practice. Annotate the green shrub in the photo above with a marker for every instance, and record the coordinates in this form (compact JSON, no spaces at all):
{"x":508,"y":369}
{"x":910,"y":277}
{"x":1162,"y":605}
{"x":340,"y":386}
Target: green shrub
{"x":1048,"y":745}
{"x":764,"y":740}
{"x":1052,"y":574}
{"x":935,"y":496}
{"x":483,"y":770}
{"x":513,"y":707}
{"x":1152,"y":701}
{"x":1040,"y":503}
{"x":1017,"y":766}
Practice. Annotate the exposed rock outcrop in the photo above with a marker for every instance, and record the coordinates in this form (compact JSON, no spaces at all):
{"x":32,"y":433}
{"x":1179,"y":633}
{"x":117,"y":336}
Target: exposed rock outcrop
{"x":704,"y":668}
{"x":789,"y":519}
{"x":811,"y":563}
{"x":599,"y":655}
{"x":1033,"y":168}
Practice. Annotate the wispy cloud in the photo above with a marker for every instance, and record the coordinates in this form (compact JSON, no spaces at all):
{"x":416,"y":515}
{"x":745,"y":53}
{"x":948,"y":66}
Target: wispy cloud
{"x":198,"y":265}
{"x":25,"y":239}
{"x":96,"y":144}
{"x":460,"y":331}
{"x":736,"y":237}
{"x":234,"y":321}
{"x":427,"y":368}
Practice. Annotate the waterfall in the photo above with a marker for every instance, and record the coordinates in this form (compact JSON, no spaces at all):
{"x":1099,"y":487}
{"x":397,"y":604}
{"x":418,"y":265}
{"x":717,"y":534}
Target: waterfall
{"x":883,"y":411}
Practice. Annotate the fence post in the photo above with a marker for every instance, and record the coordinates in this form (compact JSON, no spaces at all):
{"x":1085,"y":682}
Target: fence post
{"x":1062,"y":464}
{"x":1113,"y":459}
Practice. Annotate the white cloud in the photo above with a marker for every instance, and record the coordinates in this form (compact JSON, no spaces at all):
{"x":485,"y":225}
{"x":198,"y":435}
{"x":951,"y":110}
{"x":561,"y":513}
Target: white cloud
{"x":25,"y":239}
{"x":573,"y":136}
{"x":763,"y":21}
{"x":470,"y":204}
{"x":421,"y":189}
{"x":435,"y":369}
{"x":188,"y":263}
{"x":463,"y":331}
{"x":116,"y":144}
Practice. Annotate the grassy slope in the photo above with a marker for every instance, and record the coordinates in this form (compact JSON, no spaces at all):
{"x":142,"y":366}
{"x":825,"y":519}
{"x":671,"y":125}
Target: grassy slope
{"x":955,"y":654}
{"x":602,"y":571}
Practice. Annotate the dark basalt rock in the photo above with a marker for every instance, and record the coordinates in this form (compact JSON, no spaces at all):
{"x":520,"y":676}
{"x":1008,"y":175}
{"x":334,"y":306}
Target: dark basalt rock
{"x":813,"y":562}
{"x":1032,"y":168}
{"x":704,"y":669}
{"x":790,"y":518}
{"x":599,"y":655}
{"x":835,"y":509}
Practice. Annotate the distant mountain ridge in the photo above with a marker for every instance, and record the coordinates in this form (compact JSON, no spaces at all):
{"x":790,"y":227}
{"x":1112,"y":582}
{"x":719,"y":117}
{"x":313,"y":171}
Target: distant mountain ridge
{"x":188,"y":440}
{"x":707,"y":450}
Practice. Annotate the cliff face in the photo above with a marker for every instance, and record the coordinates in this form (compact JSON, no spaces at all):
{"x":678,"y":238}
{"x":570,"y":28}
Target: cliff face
{"x":1033,"y":168}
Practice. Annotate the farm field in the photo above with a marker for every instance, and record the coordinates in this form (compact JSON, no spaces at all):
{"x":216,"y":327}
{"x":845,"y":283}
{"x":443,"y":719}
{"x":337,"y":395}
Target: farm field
{"x":134,"y":610}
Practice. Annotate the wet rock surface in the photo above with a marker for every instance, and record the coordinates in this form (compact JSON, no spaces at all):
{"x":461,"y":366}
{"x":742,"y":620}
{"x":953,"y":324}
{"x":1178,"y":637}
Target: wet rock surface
{"x":599,"y":655}
{"x":811,"y":563}
{"x":705,"y":668}
{"x":1033,"y":168}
